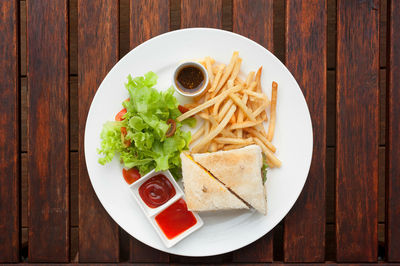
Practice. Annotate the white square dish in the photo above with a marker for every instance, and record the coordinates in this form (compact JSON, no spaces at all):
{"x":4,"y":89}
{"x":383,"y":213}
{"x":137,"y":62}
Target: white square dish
{"x":151,"y":213}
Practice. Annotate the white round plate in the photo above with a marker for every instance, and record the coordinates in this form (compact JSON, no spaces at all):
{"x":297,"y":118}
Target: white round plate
{"x":222,"y":231}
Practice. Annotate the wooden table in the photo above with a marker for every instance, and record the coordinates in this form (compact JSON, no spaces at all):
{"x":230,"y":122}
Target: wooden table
{"x":345,"y":55}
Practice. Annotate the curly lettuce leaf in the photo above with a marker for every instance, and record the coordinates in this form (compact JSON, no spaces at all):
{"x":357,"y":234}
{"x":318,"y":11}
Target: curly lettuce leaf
{"x":146,"y":125}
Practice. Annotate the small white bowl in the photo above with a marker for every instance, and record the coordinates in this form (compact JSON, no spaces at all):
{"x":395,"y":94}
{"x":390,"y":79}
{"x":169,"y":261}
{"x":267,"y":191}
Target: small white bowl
{"x":185,"y":64}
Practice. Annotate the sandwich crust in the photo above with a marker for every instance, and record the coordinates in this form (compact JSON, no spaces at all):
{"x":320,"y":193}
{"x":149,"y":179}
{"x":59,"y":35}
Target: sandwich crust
{"x":240,"y":171}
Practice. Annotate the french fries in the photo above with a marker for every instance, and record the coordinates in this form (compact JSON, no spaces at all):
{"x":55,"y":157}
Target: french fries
{"x":234,"y":110}
{"x":274,"y":96}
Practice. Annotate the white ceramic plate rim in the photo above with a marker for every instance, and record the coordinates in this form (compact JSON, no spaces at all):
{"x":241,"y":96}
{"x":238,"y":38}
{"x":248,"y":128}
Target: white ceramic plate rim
{"x":240,"y":243}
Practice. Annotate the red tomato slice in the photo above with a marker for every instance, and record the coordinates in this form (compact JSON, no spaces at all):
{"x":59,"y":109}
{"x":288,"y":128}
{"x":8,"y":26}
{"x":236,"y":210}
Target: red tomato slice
{"x":183,"y":109}
{"x":119,"y":116}
{"x":130,"y":175}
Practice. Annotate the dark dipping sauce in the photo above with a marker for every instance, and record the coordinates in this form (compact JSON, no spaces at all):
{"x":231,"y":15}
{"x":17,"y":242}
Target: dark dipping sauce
{"x":156,"y":191}
{"x":190,"y":79}
{"x":175,"y":219}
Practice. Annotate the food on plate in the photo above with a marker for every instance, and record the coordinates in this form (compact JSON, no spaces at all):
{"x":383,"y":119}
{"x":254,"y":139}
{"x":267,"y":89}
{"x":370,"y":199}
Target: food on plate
{"x":233,"y":111}
{"x":146,"y":133}
{"x":156,"y":191}
{"x":175,"y":219}
{"x":130,"y":175}
{"x":203,"y":192}
{"x":191,"y":79}
{"x":240,"y":171}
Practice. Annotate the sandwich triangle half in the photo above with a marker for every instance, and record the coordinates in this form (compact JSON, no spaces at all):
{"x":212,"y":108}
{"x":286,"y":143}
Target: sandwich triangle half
{"x":203,"y":192}
{"x":240,"y":171}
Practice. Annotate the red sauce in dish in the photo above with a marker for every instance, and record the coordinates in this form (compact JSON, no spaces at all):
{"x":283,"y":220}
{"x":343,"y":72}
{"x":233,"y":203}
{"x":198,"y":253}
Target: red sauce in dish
{"x":130,"y":175}
{"x":156,"y":191}
{"x":175,"y":219}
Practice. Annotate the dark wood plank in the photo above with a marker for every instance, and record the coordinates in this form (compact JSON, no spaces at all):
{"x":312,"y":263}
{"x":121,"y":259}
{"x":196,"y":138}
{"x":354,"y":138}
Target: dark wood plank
{"x":97,"y":53}
{"x":147,"y":19}
{"x":201,"y":13}
{"x":393,"y":134}
{"x":142,"y":253}
{"x":254,"y":20}
{"x":48,"y":141}
{"x":306,"y":59}
{"x":259,"y":27}
{"x":9,"y":132}
{"x":357,"y":131}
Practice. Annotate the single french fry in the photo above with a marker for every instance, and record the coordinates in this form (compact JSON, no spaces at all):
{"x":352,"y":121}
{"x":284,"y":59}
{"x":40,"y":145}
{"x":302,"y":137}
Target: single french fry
{"x":257,"y":95}
{"x":243,"y":106}
{"x":241,"y":115}
{"x":252,"y":86}
{"x":217,"y":77}
{"x":224,"y":109}
{"x":236,"y":70}
{"x":209,"y":70}
{"x":261,"y":129}
{"x":249,"y":78}
{"x":275,"y":161}
{"x":198,"y":133}
{"x":247,"y":141}
{"x":190,"y":105}
{"x":220,"y":146}
{"x":260,"y":109}
{"x":239,"y":81}
{"x":260,"y":136}
{"x":227,"y":73}
{"x":258,"y":79}
{"x":233,"y":146}
{"x":270,"y":164}
{"x":215,"y":69}
{"x":213,"y":133}
{"x":206,"y":127}
{"x":245,"y":124}
{"x":233,"y":119}
{"x":274,"y":96}
{"x":207,"y":104}
{"x":226,"y":133}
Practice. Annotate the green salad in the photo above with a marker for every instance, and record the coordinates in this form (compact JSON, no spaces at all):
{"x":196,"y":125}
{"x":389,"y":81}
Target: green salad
{"x":147,"y":135}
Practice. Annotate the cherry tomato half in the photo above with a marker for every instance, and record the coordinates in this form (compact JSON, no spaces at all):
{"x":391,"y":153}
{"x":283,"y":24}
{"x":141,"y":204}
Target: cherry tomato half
{"x":183,"y":109}
{"x":130,"y":175}
{"x":119,"y":116}
{"x":127,"y":142}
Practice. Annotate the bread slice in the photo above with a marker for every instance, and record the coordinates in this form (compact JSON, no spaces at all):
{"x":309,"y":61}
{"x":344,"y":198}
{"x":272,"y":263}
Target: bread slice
{"x":203,"y":192}
{"x":240,"y":171}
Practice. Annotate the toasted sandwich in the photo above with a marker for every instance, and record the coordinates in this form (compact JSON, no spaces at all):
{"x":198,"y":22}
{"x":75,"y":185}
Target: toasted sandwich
{"x":203,"y":192}
{"x":240,"y":171}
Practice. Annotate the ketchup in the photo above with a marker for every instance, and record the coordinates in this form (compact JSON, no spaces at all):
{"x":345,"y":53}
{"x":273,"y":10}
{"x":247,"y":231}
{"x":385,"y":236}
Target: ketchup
{"x":156,"y":191}
{"x":175,"y":219}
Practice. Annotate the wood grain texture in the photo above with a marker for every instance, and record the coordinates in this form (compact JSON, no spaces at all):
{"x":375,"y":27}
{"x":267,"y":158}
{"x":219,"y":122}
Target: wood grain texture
{"x":9,"y":132}
{"x":393,"y":135}
{"x":148,"y":18}
{"x":97,"y":53}
{"x":304,"y":238}
{"x":48,"y":141}
{"x":141,"y":253}
{"x":201,"y":13}
{"x":357,"y":130}
{"x":254,"y":19}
